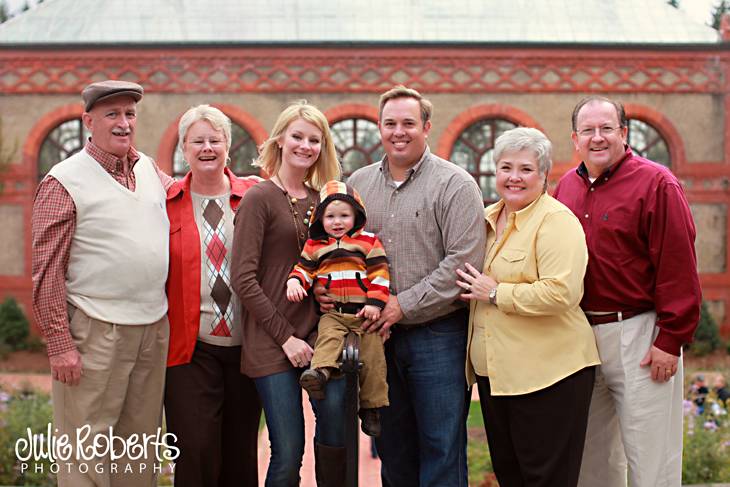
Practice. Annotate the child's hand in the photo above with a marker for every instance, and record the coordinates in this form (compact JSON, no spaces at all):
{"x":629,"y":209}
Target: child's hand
{"x":369,"y":312}
{"x":294,"y":291}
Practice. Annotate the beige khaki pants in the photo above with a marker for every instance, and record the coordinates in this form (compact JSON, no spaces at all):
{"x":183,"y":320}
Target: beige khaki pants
{"x":332,"y":330}
{"x":634,"y":423}
{"x":122,"y":385}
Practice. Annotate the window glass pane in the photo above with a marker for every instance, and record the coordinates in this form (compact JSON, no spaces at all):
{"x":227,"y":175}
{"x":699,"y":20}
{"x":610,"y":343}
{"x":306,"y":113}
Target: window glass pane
{"x":243,"y":152}
{"x":487,"y":184}
{"x":486,"y":163}
{"x":464,"y":156}
{"x":357,"y":142}
{"x":646,"y":141}
{"x":473,"y":152}
{"x":353,"y":160}
{"x":62,"y":142}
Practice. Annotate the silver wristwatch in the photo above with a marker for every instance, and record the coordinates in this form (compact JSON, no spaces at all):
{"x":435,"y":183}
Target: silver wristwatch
{"x":493,"y":296}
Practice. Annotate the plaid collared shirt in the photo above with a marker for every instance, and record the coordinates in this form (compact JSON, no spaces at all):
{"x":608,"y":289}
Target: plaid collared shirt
{"x":53,"y":224}
{"x":430,"y":225}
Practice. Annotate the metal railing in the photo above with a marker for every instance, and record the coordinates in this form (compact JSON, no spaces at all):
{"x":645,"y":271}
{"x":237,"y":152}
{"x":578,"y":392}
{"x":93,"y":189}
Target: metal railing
{"x":350,"y":365}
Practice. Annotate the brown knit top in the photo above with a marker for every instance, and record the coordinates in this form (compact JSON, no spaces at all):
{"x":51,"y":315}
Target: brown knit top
{"x":264,"y":252}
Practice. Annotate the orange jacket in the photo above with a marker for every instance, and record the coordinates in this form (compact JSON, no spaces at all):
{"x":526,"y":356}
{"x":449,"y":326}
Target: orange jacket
{"x":183,"y":278}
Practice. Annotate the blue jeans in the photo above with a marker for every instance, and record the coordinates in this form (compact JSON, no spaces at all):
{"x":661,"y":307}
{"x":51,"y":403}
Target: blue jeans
{"x":281,"y":397}
{"x":423,"y":440}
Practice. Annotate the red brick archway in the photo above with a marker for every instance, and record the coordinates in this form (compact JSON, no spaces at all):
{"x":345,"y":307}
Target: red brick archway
{"x":21,"y":184}
{"x":351,"y":110}
{"x":40,"y":131}
{"x":475,"y":114}
{"x":665,"y":128}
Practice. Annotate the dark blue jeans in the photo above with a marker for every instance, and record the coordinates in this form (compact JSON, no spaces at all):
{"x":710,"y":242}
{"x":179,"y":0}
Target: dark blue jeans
{"x":423,"y":442}
{"x":281,"y":397}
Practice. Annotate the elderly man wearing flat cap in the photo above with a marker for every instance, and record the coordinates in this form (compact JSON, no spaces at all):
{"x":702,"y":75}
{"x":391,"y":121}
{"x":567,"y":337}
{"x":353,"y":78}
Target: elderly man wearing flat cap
{"x":100,"y":252}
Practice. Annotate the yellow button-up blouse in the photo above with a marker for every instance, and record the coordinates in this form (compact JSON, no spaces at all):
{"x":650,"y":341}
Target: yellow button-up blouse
{"x":537,"y":334}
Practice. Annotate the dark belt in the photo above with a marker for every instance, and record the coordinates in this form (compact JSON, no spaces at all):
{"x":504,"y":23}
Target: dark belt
{"x":453,"y":314}
{"x":348,"y":308}
{"x":602,"y":319}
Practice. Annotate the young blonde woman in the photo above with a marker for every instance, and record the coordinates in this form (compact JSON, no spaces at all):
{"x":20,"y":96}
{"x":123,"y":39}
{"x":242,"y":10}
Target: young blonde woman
{"x":278,"y":335}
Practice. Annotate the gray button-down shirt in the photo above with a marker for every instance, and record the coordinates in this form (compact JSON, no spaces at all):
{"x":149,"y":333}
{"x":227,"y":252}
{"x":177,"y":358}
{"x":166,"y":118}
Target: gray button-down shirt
{"x":430,"y":225}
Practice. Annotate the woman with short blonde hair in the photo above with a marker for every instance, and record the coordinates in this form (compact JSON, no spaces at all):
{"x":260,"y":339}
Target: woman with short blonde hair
{"x":210,"y":406}
{"x":531,"y":350}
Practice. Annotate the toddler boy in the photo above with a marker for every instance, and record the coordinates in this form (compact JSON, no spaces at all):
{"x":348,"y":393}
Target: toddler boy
{"x":352,"y":265}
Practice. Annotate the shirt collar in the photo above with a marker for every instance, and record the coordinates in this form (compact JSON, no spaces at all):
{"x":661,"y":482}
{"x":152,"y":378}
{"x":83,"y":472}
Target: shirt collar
{"x":491,"y":213}
{"x":412,"y":171}
{"x":110,"y":162}
{"x":582,"y":170}
{"x":238,"y":185}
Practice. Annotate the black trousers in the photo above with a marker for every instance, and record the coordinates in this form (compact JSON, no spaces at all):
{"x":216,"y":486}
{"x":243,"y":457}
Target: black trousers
{"x":214,"y":411}
{"x":536,"y":439}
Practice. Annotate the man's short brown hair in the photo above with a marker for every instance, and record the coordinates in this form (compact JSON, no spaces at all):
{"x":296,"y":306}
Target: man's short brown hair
{"x":620,"y":112}
{"x":401,"y":91}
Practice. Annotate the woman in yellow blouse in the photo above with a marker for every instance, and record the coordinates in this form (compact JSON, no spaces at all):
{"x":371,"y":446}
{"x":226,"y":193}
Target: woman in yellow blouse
{"x":531,"y":350}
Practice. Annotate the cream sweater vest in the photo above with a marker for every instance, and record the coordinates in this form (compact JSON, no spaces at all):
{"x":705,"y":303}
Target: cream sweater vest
{"x":119,"y":254}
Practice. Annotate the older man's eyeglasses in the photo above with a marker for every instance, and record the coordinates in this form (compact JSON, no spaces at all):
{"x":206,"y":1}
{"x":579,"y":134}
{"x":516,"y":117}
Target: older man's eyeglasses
{"x":604,"y":131}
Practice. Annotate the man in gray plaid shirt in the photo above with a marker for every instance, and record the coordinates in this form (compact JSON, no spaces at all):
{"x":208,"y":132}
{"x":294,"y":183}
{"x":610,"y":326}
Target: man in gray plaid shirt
{"x":428,"y":213}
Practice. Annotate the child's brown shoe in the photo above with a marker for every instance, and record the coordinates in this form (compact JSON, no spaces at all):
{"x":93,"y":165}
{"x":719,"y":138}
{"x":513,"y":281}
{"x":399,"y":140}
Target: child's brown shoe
{"x":370,"y":421}
{"x":313,"y":381}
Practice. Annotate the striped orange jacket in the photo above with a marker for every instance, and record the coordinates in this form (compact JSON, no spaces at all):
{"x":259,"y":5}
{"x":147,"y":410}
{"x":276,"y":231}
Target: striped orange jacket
{"x":353,"y":268}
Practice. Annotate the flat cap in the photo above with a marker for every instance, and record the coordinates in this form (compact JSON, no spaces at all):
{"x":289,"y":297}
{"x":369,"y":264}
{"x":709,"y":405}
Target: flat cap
{"x":102,"y":90}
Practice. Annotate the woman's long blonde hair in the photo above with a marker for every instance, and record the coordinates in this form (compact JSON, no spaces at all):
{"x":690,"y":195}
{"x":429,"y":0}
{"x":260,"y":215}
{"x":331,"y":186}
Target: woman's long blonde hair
{"x":324,"y":169}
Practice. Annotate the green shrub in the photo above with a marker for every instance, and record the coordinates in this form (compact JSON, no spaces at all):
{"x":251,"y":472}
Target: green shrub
{"x":18,"y":412}
{"x":14,"y":326}
{"x":705,"y":452}
{"x":707,"y":336}
{"x":35,"y":344}
{"x":5,"y":350}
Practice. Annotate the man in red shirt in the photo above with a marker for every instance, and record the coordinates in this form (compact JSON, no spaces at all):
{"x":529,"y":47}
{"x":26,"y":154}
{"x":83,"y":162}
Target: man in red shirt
{"x":642,"y":296}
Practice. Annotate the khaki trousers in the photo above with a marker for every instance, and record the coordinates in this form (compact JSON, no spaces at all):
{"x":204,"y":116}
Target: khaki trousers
{"x":122,"y":384}
{"x":634,"y":423}
{"x":333,"y":327}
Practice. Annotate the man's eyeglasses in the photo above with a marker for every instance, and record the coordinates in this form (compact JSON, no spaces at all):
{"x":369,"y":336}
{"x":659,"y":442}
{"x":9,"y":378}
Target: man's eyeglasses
{"x":605,"y":131}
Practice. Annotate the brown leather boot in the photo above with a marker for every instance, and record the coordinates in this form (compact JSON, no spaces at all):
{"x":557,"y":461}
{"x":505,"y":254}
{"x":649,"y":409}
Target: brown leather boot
{"x":314,"y":381}
{"x":370,"y":421}
{"x":330,"y":464}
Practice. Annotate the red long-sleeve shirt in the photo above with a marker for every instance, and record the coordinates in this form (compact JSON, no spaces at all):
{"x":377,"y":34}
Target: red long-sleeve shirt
{"x":640,"y":236}
{"x":53,"y":223}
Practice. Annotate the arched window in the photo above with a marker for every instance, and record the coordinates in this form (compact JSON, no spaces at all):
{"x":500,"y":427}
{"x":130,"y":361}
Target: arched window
{"x":243,"y":152}
{"x":62,"y":142}
{"x":473,"y":151}
{"x":646,"y":141}
{"x":357,"y":141}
